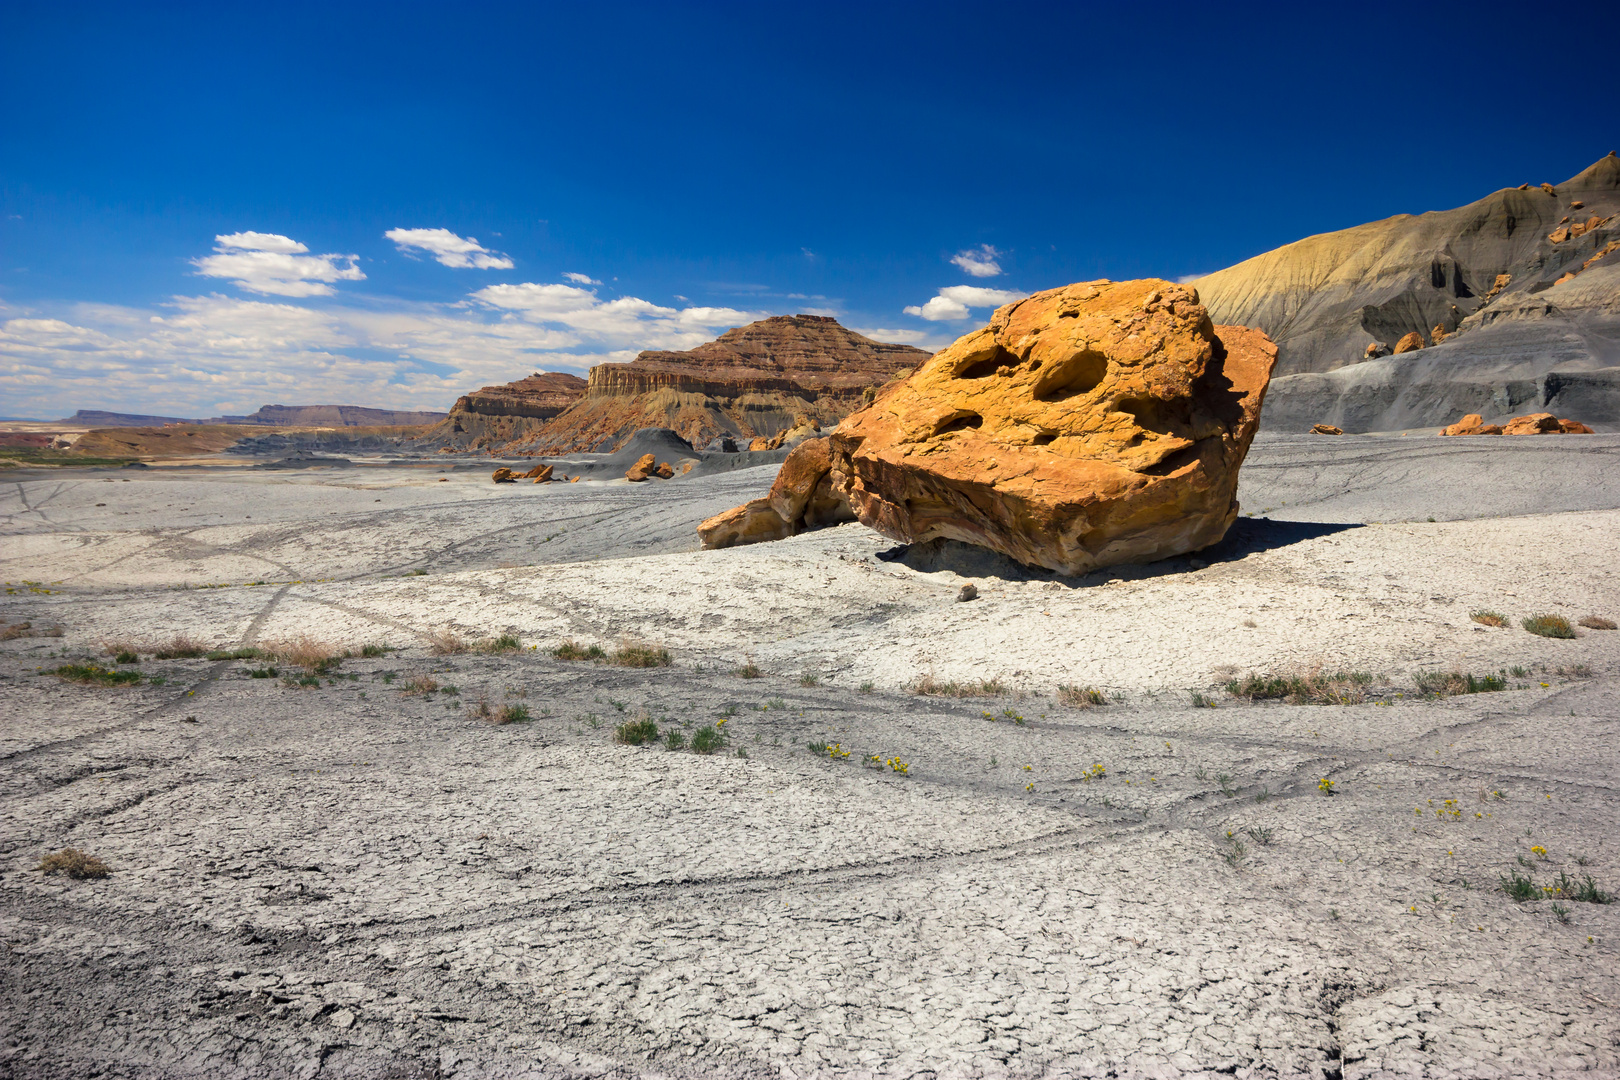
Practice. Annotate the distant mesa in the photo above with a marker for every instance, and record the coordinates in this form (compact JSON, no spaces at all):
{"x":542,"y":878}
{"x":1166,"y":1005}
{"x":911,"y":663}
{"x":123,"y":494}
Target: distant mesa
{"x":268,"y":416}
{"x":1507,"y":305}
{"x":497,"y":415}
{"x":755,"y":382}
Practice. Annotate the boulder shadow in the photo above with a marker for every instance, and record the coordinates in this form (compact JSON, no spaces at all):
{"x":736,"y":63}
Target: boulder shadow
{"x":1247,"y":536}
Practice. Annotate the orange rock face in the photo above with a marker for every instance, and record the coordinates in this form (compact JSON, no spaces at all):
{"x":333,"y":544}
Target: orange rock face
{"x":1468,"y":425}
{"x":1438,"y":334}
{"x":1086,"y":426}
{"x":540,"y":474}
{"x":644,"y":467}
{"x":1574,"y":427}
{"x":1533,"y":424}
{"x":803,"y":497}
{"x":1410,"y":343}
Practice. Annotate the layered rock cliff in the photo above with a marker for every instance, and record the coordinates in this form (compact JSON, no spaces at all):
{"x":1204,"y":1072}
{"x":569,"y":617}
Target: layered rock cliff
{"x":497,"y":415}
{"x":751,"y":381}
{"x":1514,"y":300}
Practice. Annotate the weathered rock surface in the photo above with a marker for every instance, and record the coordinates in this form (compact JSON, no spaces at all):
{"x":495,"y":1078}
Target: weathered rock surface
{"x":1468,"y":425}
{"x":1409,"y":343}
{"x":504,"y":476}
{"x":540,"y":474}
{"x":802,"y":497}
{"x":644,"y":467}
{"x":1326,"y":429}
{"x":1086,"y":426}
{"x":1532,"y":424}
{"x":753,"y":382}
{"x":1519,"y":332}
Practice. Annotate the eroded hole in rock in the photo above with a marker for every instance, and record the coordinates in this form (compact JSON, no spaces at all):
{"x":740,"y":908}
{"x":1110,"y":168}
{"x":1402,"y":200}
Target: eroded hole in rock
{"x":1079,"y":374}
{"x":1043,"y":439}
{"x":1148,"y":413}
{"x":1172,"y":462}
{"x":997,"y":361}
{"x":960,"y":421}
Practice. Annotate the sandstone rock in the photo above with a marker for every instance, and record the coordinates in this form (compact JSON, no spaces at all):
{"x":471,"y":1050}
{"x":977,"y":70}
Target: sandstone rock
{"x":1532,"y":424}
{"x":1574,"y":427}
{"x":1608,"y":249}
{"x":1524,"y":187}
{"x":1468,"y":425}
{"x":540,"y":474}
{"x":1409,"y":343}
{"x":1502,"y":281}
{"x":761,"y":443}
{"x":1375,"y":349}
{"x":643,"y":468}
{"x":1559,"y":235}
{"x":664,"y":471}
{"x":1326,"y":429}
{"x":1567,"y":276}
{"x":751,"y":523}
{"x":1577,"y":205}
{"x":1438,"y":334}
{"x":505,"y":414}
{"x":802,"y":497}
{"x":968,"y":592}
{"x":1548,"y":188}
{"x":1086,"y":426}
{"x":504,"y":476}
{"x":749,"y":382}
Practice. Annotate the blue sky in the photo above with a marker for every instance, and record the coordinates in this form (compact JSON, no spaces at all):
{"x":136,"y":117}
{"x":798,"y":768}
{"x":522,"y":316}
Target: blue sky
{"x":206,"y":208}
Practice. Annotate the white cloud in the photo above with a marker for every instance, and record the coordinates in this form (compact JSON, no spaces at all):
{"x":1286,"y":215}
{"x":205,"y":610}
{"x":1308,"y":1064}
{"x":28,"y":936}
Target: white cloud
{"x":897,"y":337}
{"x":954,"y":301}
{"x":208,"y":355}
{"x":1188,"y":279}
{"x":586,"y":279}
{"x":275,"y":264}
{"x":978,"y":262}
{"x":448,"y":249}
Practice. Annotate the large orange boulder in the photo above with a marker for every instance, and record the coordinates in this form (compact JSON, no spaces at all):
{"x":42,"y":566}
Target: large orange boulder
{"x":1543,"y":423}
{"x":504,"y":476}
{"x":1086,"y":426}
{"x":1574,"y":427}
{"x":1410,"y":343}
{"x":645,"y":466}
{"x":1472,"y":424}
{"x":540,"y":474}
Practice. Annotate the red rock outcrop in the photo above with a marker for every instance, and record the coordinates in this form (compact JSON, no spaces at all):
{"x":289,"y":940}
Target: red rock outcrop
{"x":1409,"y":343}
{"x":751,"y":382}
{"x":1096,"y":424}
{"x":495,"y":416}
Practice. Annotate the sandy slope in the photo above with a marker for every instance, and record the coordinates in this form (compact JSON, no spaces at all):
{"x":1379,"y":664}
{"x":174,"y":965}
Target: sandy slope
{"x":346,"y":880}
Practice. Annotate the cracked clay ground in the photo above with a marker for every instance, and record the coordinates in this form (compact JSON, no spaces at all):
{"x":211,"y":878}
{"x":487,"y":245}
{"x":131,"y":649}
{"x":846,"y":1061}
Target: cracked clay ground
{"x":348,"y":880}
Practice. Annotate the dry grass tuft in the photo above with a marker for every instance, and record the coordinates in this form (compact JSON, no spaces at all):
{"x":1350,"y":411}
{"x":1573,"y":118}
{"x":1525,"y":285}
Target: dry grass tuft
{"x":1549,"y":625}
{"x":1076,"y":697}
{"x":573,"y":650}
{"x":74,"y":864}
{"x":480,"y":710}
{"x":928,"y":686}
{"x":503,"y":643}
{"x":315,"y":657}
{"x":27,"y":630}
{"x":180,"y":647}
{"x":446,"y":643}
{"x":1313,"y":687}
{"x":1486,"y":617}
{"x":511,"y":713}
{"x":420,"y":684}
{"x":1598,"y":622}
{"x":640,"y":654}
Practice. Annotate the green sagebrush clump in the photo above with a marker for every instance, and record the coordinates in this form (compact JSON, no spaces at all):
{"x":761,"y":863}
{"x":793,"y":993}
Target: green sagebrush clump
{"x":1314,"y":687}
{"x":636,"y":732}
{"x":1549,"y":625}
{"x":95,"y":673}
{"x":1450,"y":684}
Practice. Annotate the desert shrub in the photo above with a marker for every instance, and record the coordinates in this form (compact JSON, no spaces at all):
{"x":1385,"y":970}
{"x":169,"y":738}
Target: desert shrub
{"x":1314,"y":687}
{"x":1449,"y":684}
{"x":928,"y":686}
{"x":1519,"y":887}
{"x":572,"y":650}
{"x":1077,"y":697}
{"x":749,"y":670}
{"x":1549,"y":625}
{"x":180,"y":647}
{"x":93,"y":673}
{"x":675,"y":739}
{"x":480,"y":710}
{"x":445,"y":643}
{"x":315,"y":657}
{"x":1486,"y":617}
{"x":809,"y":678}
{"x":73,"y":863}
{"x":513,"y":713}
{"x":1597,"y":622}
{"x":706,"y":740}
{"x":636,"y":732}
{"x":262,"y":673}
{"x":640,"y":654}
{"x":126,"y":657}
{"x":420,"y":684}
{"x":247,"y":653}
{"x":372,"y":651}
{"x":503,"y":643}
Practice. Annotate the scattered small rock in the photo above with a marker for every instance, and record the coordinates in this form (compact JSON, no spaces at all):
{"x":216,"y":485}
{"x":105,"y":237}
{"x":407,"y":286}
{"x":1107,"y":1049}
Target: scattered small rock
{"x":969,"y":592}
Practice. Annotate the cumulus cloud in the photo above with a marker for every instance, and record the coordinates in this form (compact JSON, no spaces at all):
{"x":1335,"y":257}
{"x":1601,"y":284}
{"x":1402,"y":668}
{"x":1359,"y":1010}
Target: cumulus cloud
{"x":448,"y":249}
{"x":896,"y":337}
{"x":205,"y":355}
{"x":586,"y":279}
{"x":276,"y":265}
{"x":1188,"y":279}
{"x":954,"y":302}
{"x":979,"y":261}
